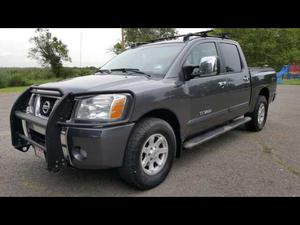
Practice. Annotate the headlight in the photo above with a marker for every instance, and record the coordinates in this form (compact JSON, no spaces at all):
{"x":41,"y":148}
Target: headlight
{"x":101,"y":107}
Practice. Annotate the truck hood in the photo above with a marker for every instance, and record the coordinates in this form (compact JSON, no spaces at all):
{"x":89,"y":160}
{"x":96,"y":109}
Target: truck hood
{"x":92,"y":83}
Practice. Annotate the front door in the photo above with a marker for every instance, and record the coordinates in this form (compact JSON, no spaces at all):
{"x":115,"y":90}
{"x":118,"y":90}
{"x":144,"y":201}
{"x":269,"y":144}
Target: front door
{"x":207,"y":93}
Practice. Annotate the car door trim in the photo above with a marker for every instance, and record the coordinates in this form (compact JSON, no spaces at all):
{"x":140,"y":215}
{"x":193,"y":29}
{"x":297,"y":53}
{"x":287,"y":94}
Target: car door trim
{"x":238,"y":106}
{"x":206,"y":117}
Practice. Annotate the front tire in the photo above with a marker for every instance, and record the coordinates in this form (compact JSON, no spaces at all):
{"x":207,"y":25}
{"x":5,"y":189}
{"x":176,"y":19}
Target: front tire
{"x":149,"y":154}
{"x":259,"y":115}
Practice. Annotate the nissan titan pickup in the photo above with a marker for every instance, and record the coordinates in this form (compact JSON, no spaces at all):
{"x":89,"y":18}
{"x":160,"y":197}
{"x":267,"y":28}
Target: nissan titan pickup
{"x":140,"y":110}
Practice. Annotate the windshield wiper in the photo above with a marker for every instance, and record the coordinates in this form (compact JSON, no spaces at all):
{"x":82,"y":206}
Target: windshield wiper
{"x":126,"y":70}
{"x":103,"y":71}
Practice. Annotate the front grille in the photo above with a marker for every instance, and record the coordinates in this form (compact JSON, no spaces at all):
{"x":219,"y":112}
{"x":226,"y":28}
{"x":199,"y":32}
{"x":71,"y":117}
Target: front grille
{"x":41,"y":105}
{"x":46,"y":105}
{"x":37,"y":137}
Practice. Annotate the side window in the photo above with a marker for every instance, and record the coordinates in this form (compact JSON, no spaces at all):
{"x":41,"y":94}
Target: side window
{"x":200,"y":51}
{"x":231,"y":57}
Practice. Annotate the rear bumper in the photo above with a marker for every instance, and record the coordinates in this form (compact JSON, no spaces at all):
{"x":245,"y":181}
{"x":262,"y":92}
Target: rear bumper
{"x":84,"y":146}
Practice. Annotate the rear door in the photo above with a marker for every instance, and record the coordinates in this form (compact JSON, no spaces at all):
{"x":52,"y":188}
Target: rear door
{"x":238,"y":78}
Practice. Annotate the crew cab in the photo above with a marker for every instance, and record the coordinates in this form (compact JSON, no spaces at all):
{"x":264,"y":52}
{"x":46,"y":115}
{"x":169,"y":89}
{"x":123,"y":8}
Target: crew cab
{"x":144,"y":107}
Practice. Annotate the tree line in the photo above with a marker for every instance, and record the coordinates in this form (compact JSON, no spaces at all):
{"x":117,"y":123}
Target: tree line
{"x":274,"y":47}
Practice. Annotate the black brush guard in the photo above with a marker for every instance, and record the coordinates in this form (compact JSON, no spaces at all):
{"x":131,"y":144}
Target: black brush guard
{"x":59,"y":115}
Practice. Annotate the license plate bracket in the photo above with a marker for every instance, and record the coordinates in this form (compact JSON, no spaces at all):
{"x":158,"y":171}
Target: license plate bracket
{"x":39,"y":152}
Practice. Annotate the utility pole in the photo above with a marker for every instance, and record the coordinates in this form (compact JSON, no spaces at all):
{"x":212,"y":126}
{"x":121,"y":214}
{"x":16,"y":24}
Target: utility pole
{"x":123,"y":41}
{"x":80,"y":46}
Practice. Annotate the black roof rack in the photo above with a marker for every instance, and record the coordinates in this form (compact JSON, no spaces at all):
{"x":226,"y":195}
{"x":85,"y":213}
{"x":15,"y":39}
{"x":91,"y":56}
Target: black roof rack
{"x":186,"y":37}
{"x":198,"y":34}
{"x":223,"y":35}
{"x":136,"y":44}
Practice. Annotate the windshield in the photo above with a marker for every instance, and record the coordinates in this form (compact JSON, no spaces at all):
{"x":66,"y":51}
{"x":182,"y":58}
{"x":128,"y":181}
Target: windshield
{"x":151,"y":59}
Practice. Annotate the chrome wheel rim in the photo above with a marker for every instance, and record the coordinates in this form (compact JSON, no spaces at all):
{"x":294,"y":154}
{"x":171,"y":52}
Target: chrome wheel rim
{"x":261,"y":113}
{"x":154,"y":154}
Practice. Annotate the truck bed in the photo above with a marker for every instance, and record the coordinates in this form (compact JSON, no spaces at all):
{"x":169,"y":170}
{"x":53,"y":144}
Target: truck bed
{"x":256,"y":70}
{"x":262,"y":78}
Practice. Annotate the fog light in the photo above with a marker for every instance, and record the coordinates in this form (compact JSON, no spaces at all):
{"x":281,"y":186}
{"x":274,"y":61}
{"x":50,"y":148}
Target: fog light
{"x":79,"y":154}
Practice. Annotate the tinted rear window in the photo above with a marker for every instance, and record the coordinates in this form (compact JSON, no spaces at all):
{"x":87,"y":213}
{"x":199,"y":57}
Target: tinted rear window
{"x":231,"y":57}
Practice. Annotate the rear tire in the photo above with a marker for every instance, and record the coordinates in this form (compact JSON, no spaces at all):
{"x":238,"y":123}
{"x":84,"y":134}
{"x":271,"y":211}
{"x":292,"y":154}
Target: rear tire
{"x":259,"y":115}
{"x":145,"y":167}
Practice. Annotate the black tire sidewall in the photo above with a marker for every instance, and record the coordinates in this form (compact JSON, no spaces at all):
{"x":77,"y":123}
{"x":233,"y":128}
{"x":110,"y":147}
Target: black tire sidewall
{"x":261,"y":100}
{"x":144,"y":180}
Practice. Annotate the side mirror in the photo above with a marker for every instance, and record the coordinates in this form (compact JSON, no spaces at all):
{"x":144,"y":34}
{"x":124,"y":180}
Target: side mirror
{"x":208,"y":65}
{"x":188,"y":71}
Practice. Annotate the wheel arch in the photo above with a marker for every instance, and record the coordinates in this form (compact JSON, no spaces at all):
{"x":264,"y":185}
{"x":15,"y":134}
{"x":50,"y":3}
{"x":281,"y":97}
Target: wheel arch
{"x":265,"y":92}
{"x":171,"y":118}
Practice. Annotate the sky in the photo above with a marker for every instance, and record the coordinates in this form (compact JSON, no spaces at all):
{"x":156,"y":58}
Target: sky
{"x":95,"y":45}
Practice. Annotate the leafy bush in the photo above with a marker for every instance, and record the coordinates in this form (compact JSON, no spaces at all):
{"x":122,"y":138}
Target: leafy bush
{"x":17,"y":80}
{"x":68,"y":72}
{"x":3,"y":81}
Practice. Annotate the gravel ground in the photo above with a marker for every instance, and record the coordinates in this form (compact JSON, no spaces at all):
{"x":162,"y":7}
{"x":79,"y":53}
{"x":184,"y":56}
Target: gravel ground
{"x":238,"y":163}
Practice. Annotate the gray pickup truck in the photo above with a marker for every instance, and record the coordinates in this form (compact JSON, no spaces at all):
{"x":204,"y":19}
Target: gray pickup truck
{"x":143,"y":107}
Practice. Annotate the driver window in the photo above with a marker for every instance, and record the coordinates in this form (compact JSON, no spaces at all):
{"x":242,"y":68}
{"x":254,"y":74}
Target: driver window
{"x":198,"y":52}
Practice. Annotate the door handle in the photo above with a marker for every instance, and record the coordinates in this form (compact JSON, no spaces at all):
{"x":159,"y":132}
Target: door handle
{"x":222,"y":84}
{"x":245,"y":78}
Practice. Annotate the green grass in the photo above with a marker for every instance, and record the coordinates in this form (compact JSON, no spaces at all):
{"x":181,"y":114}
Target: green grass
{"x":17,"y":79}
{"x":23,"y":77}
{"x":12,"y":89}
{"x":291,"y":82}
{"x":22,"y":88}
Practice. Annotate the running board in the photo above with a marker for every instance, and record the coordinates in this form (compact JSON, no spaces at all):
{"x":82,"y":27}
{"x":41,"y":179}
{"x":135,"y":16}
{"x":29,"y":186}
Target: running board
{"x":214,"y":133}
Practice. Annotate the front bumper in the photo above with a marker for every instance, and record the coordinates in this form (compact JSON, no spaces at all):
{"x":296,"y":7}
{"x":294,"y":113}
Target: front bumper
{"x":83,"y":146}
{"x":95,"y":148}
